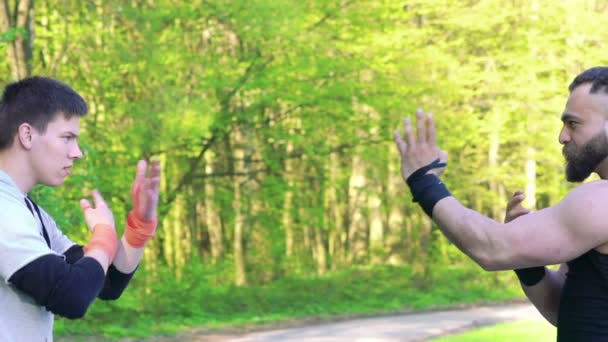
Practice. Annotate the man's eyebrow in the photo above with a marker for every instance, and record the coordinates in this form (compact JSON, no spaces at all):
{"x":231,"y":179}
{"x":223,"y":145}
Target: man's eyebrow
{"x":70,"y":133}
{"x":569,"y":116}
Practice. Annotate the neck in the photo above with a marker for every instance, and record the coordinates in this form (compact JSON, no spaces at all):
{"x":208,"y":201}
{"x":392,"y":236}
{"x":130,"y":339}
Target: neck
{"x":602,"y":170}
{"x":16,"y":166}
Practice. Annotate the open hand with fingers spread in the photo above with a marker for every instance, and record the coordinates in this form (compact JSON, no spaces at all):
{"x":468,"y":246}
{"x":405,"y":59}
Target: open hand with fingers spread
{"x":421,"y":150}
{"x":142,"y":222}
{"x":422,"y":161}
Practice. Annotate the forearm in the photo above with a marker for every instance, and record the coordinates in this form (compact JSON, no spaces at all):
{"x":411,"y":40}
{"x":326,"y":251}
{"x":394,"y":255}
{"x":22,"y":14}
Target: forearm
{"x":142,"y":219}
{"x":102,"y":246}
{"x":127,"y":257}
{"x":132,"y":244}
{"x":115,"y":284}
{"x":468,"y":230}
{"x":122,"y":270}
{"x":116,"y":281}
{"x":546,"y":295}
{"x":101,"y":257}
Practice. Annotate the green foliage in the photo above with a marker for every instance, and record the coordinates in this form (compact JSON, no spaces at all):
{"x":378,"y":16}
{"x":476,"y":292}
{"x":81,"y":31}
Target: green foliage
{"x":250,"y":103}
{"x":12,"y":34}
{"x":175,"y":305}
{"x":515,"y":331}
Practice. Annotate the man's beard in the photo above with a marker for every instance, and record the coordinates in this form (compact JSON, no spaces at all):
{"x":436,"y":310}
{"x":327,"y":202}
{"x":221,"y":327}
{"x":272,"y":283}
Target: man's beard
{"x":581,"y":162}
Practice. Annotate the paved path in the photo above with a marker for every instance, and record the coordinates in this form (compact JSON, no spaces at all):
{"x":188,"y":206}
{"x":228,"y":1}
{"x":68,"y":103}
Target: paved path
{"x":407,"y":327}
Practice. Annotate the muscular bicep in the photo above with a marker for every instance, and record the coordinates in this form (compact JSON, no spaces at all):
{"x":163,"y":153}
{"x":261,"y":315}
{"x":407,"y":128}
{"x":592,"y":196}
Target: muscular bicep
{"x":556,"y":234}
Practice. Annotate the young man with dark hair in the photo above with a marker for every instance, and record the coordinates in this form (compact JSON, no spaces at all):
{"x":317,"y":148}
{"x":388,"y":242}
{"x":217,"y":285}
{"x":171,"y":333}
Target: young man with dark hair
{"x":42,"y":271}
{"x":573,"y":233}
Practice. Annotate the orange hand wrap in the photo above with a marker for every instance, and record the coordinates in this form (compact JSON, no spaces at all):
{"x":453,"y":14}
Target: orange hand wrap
{"x":138,"y":231}
{"x":103,"y":238}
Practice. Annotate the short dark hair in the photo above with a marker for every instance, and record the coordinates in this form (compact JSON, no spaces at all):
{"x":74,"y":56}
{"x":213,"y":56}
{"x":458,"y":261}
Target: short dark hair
{"x":37,"y":101}
{"x":597,"y":76}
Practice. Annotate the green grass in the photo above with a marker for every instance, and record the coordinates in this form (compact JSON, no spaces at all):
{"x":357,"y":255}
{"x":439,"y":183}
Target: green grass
{"x":169,"y":306}
{"x":537,"y":331}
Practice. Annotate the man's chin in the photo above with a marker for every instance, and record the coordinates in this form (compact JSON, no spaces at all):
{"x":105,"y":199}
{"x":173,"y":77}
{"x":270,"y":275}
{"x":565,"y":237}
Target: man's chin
{"x":55,"y":182}
{"x":577,"y":178}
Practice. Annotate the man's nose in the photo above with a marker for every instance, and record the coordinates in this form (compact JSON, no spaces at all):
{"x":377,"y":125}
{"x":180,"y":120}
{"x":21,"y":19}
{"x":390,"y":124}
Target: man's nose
{"x":564,"y":136}
{"x":75,"y":152}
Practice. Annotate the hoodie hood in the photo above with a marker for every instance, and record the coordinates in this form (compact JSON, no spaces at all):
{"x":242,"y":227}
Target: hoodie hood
{"x":8,"y":187}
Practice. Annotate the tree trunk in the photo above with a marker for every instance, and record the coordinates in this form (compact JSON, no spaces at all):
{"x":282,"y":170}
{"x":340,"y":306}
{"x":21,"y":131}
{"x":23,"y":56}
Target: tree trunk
{"x":530,"y":201}
{"x":357,"y":201}
{"x":212,"y":215}
{"x":334,"y":212}
{"x":493,"y":157}
{"x":287,"y":218}
{"x":396,"y":219}
{"x":320,"y":252}
{"x":376,"y":227}
{"x":182,"y":240}
{"x":20,"y":25}
{"x":239,"y":208}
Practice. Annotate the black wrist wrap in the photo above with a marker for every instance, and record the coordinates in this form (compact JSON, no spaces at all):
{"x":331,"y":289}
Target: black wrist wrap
{"x":427,"y":189}
{"x":530,"y":276}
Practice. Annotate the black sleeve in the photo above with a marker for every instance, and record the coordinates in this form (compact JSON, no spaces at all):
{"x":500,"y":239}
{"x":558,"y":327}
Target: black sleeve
{"x":73,"y":254}
{"x":116,"y":281}
{"x":64,"y":289}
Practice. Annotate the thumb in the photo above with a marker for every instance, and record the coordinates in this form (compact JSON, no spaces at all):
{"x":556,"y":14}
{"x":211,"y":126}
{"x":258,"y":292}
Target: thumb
{"x":443,"y":156}
{"x":85,"y":204}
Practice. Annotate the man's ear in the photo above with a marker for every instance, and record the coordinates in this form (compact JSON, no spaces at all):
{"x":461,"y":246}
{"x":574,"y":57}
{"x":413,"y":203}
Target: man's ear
{"x":25,"y":134}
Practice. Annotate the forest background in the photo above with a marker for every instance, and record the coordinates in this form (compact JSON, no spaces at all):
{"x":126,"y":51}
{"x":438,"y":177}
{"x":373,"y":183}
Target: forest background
{"x":273,"y":120}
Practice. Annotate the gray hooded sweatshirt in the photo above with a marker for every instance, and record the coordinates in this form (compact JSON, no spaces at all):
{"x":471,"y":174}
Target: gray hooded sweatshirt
{"x":21,"y":242}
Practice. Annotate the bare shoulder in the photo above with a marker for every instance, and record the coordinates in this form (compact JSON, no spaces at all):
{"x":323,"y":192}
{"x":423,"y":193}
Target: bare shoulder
{"x":562,"y":232}
{"x":589,"y":194}
{"x":585,"y":208}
